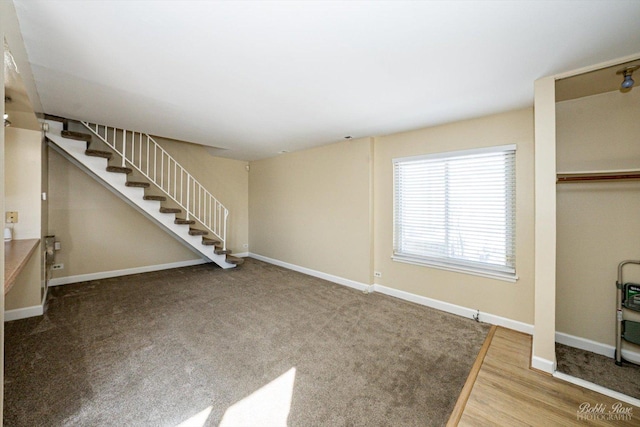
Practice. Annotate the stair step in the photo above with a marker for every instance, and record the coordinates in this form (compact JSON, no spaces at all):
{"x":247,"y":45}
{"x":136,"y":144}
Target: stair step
{"x":137,"y":184}
{"x":98,"y":153}
{"x":210,"y":242}
{"x":152,"y":197}
{"x":234,"y":260}
{"x":55,"y":118}
{"x":196,"y":232}
{"x":170,"y":210}
{"x":76,"y":135}
{"x":219,"y":251}
{"x":119,"y":169}
{"x":184,"y":221}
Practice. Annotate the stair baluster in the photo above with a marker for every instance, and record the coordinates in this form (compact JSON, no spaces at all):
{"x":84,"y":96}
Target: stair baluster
{"x":200,"y":204}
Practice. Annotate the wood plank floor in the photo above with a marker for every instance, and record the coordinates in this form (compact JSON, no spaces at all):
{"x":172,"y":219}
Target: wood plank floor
{"x":507,"y":393}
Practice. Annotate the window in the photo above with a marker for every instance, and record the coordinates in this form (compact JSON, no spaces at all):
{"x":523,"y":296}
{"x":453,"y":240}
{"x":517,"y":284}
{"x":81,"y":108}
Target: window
{"x":456,"y":211}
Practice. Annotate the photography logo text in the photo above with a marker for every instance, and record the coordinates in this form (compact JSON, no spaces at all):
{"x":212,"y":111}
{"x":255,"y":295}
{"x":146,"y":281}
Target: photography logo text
{"x":601,"y":412}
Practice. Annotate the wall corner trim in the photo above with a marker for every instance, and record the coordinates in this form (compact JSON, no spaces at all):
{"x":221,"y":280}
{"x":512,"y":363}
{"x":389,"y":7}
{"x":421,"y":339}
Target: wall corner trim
{"x":23,"y":313}
{"x":125,"y":272}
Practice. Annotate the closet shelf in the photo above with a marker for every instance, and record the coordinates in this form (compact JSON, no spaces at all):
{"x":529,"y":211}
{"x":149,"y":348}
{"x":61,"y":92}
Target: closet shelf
{"x":591,"y":176}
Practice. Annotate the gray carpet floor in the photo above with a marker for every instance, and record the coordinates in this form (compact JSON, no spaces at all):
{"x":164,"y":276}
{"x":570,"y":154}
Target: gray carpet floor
{"x":258,"y":345}
{"x":599,"y":370}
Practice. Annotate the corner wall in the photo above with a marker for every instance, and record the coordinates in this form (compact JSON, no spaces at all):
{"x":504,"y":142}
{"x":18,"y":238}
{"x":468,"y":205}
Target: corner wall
{"x":330,"y":209}
{"x":311,"y":209}
{"x":598,"y":222}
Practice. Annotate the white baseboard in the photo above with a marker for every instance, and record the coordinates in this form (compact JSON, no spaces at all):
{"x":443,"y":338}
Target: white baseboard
{"x":329,"y":277}
{"x":407,"y":296}
{"x":544,"y":365}
{"x":241,"y":254}
{"x":598,"y":388}
{"x":125,"y":272}
{"x":23,"y":313}
{"x":456,"y":309}
{"x":596,"y":347}
{"x":585,"y":344}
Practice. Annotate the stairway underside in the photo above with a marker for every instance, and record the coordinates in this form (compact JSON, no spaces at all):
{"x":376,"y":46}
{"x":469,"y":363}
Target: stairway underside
{"x":96,"y":163}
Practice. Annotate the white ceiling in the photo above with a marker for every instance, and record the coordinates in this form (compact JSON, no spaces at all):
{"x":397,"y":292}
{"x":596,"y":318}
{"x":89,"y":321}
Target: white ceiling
{"x":257,"y":78}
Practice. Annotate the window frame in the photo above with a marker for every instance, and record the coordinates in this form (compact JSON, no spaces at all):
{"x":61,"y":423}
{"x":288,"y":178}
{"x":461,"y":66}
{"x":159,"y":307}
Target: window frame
{"x":496,"y":271}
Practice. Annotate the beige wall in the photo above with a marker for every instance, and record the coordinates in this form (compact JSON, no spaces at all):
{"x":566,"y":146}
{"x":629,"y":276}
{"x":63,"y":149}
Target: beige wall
{"x":311,"y":209}
{"x":25,"y":291}
{"x":543,"y":348}
{"x":598,"y":223}
{"x":315,"y":209}
{"x":97,"y":230}
{"x":23,"y":180}
{"x":510,"y":300}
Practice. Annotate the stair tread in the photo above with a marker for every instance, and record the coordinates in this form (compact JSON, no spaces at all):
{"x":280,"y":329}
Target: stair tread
{"x":76,"y":135}
{"x":98,"y":153}
{"x":217,"y":245}
{"x":184,"y":221}
{"x":153,"y":197}
{"x":137,"y":184}
{"x":170,"y":210}
{"x":55,"y":118}
{"x":210,"y":242}
{"x":196,"y":232}
{"x":119,"y":169}
{"x":234,"y":260}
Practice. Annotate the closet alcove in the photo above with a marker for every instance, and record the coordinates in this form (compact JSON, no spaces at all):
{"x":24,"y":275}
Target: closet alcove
{"x":598,"y":223}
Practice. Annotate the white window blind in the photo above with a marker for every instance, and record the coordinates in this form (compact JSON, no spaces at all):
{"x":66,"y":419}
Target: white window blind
{"x":457,"y":210}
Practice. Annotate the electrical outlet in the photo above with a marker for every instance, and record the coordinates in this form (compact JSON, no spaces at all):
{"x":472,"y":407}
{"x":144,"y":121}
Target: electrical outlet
{"x":11,"y":217}
{"x":57,"y":267}
{"x":377,"y":274}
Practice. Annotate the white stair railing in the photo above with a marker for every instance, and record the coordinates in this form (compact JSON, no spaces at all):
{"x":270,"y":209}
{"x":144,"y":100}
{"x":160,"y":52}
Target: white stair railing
{"x":146,"y":156}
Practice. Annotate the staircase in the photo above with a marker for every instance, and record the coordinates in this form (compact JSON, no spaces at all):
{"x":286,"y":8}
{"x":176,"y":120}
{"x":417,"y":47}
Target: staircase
{"x":133,"y":166}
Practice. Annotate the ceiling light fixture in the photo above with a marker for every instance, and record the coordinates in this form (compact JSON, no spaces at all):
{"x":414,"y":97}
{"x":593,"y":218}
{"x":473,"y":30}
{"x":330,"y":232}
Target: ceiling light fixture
{"x":627,"y":72}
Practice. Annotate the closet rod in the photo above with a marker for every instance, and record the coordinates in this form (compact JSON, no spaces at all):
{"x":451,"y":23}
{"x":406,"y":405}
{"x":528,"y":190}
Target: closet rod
{"x":628,"y":175}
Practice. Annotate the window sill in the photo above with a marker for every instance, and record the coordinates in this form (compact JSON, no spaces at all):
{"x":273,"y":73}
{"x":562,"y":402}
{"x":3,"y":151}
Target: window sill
{"x":507,"y":277}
